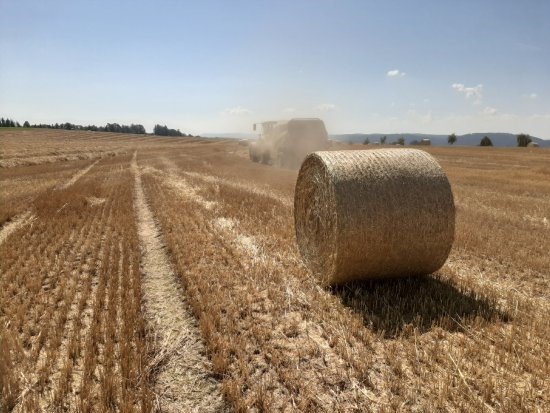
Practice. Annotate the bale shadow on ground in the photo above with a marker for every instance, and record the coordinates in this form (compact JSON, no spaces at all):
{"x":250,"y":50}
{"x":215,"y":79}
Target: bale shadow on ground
{"x":397,"y":307}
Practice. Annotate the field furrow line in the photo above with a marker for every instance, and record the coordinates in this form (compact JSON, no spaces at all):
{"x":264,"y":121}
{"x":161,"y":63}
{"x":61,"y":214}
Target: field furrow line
{"x":88,"y":367}
{"x":283,"y":345}
{"x":78,"y":175}
{"x":48,"y":276}
{"x":28,"y":216}
{"x":262,"y":255}
{"x":255,"y":251}
{"x":105,"y":382}
{"x":176,"y":284}
{"x":257,"y":258}
{"x":252,"y":189}
{"x":17,"y":222}
{"x":69,"y":357}
{"x":175,"y":173}
{"x":33,"y":237}
{"x":183,"y":381}
{"x":76,"y":272}
{"x":42,"y":356}
{"x":47,"y":294}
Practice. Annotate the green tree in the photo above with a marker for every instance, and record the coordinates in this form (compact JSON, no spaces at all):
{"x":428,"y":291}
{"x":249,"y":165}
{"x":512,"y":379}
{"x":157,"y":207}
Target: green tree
{"x":383,"y":140}
{"x":401,"y":141}
{"x":523,"y":139}
{"x":366,"y":141}
{"x":486,"y":141}
{"x":451,"y":139}
{"x":165,"y":131}
{"x":26,"y":124}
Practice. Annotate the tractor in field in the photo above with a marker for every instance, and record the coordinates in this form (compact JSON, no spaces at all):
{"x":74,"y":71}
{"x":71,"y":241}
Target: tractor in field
{"x":286,"y":143}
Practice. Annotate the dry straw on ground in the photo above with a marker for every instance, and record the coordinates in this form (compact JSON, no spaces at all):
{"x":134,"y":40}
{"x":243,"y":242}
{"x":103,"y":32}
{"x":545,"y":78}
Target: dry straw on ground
{"x":373,"y":214}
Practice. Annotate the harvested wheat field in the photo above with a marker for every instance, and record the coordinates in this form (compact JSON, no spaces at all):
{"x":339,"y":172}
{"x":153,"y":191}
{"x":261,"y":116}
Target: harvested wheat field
{"x":140,"y":273}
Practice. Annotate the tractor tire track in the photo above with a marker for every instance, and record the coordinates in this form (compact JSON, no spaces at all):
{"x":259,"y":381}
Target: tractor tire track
{"x":66,"y":382}
{"x":249,"y":259}
{"x":19,"y":221}
{"x":78,"y":175}
{"x":42,"y":369}
{"x":181,"y":369}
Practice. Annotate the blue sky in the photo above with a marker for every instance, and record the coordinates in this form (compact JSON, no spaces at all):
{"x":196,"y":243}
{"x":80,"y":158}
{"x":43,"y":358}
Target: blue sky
{"x":219,"y":66}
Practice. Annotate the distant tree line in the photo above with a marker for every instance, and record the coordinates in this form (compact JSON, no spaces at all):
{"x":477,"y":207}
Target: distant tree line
{"x":383,"y":139}
{"x":486,"y":141}
{"x":110,"y":127}
{"x":166,"y":131}
{"x":523,"y":139}
{"x":10,"y":123}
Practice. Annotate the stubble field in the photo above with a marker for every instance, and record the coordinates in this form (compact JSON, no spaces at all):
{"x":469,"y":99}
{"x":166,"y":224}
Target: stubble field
{"x":142,"y":274}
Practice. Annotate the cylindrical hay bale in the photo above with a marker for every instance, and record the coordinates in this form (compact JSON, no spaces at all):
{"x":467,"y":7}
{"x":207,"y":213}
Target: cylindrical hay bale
{"x":373,"y":214}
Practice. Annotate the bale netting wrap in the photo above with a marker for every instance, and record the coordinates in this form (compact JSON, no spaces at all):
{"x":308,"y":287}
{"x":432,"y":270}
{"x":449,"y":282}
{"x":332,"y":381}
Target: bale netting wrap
{"x":373,"y":214}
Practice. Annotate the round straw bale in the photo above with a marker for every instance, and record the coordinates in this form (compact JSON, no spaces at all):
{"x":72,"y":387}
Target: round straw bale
{"x":373,"y":214}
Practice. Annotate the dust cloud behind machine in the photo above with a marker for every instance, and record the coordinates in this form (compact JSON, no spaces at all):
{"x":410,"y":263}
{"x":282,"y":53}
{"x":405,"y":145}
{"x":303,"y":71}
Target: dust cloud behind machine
{"x":286,"y":143}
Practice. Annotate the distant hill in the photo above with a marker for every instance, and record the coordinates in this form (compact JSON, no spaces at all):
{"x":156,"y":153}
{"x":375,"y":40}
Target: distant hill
{"x":470,"y":139}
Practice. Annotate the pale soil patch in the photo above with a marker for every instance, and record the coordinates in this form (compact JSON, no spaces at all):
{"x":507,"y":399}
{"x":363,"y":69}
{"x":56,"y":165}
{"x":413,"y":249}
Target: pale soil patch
{"x":17,"y":222}
{"x":224,"y":224}
{"x":246,"y":243}
{"x":540,"y":221}
{"x":181,"y":185}
{"x":292,"y":330}
{"x":188,"y":191}
{"x":93,"y":201}
{"x":38,"y":160}
{"x":285,"y":201}
{"x":244,"y":186}
{"x":77,"y":176}
{"x":183,"y":381}
{"x":176,"y":175}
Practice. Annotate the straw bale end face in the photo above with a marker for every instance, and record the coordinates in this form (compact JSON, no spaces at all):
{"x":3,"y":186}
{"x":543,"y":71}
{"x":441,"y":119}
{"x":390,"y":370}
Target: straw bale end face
{"x":373,"y":214}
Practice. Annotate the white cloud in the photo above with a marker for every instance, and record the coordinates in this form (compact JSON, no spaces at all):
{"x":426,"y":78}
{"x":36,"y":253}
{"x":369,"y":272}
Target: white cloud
{"x":489,"y":111}
{"x":236,"y":111}
{"x":326,"y":107}
{"x":531,"y":96}
{"x":289,"y":110}
{"x":475,"y":92}
{"x":395,"y":73}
